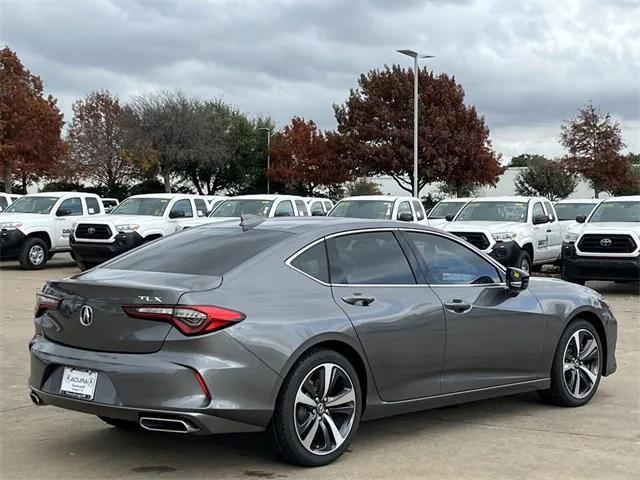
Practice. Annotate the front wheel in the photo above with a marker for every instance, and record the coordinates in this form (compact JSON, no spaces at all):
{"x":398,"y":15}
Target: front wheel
{"x":318,"y":410}
{"x":524,"y":261}
{"x":577,"y":366}
{"x":33,"y":254}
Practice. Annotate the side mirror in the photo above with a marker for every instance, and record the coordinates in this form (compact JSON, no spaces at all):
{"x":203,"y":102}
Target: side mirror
{"x":177,"y":214}
{"x":538,"y":219}
{"x":517,"y":279}
{"x":581,"y":218}
{"x":405,"y":217}
{"x":449,"y":218}
{"x":63,"y":212}
{"x":317,"y":213}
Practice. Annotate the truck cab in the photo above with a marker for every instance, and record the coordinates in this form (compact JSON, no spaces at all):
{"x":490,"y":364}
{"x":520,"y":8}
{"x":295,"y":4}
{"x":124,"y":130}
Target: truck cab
{"x":522,"y":232}
{"x":604,"y":245}
{"x":39,"y":225}
{"x":384,"y":207}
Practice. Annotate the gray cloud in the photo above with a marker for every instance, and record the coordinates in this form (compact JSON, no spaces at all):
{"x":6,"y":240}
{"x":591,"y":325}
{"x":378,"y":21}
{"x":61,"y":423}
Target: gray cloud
{"x":527,"y":66}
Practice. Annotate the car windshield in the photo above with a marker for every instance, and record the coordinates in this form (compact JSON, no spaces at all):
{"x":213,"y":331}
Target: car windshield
{"x":614,"y":212}
{"x":569,"y":211}
{"x":235,"y":208}
{"x":142,"y":206}
{"x":494,"y":212}
{"x":33,"y":204}
{"x":375,"y":209}
{"x":443,"y":209}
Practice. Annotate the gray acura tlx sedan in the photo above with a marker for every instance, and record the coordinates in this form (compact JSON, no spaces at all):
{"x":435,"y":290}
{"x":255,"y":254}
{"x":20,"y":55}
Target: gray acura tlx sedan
{"x":304,"y":327}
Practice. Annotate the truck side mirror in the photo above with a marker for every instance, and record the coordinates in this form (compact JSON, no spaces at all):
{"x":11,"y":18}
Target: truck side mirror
{"x":177,"y":214}
{"x":405,"y":217}
{"x":581,"y":218}
{"x":538,"y":219}
{"x":63,"y":212}
{"x":449,"y":218}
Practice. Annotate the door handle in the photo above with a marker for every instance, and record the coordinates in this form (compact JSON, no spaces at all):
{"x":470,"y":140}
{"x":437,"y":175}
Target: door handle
{"x":457,"y":306}
{"x":549,"y":231}
{"x":359,"y":300}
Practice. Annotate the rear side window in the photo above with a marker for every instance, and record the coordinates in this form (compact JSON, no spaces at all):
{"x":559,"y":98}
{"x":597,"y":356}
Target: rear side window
{"x":210,"y":251}
{"x":313,"y":262}
{"x":302,"y":208}
{"x":369,"y":258}
{"x":92,"y":206}
{"x":417,"y":206}
{"x":201,"y":207}
{"x":3,"y":203}
{"x":550,"y":211}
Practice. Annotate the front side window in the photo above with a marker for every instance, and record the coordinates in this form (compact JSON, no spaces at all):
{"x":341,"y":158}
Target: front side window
{"x":405,"y":208}
{"x":154,"y":207}
{"x":442,"y":209}
{"x":372,"y":258}
{"x":373,"y":209}
{"x":238,"y":207}
{"x":447,"y":262}
{"x":537,"y":210}
{"x":73,"y":205}
{"x":316,"y":208}
{"x":284,"y":209}
{"x":313,"y":262}
{"x":417,"y":206}
{"x":33,"y":204}
{"x":183,"y":205}
{"x":302,"y":208}
{"x":569,"y":211}
{"x":493,"y":212}
{"x":612,"y":212}
{"x":92,"y":205}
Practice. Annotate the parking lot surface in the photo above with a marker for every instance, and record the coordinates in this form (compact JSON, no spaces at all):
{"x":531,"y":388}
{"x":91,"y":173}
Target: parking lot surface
{"x":512,"y":437}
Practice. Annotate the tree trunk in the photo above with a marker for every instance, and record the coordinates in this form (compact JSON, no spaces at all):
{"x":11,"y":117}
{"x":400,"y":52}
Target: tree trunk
{"x":7,"y":176}
{"x":166,"y":175}
{"x":24,"y":183}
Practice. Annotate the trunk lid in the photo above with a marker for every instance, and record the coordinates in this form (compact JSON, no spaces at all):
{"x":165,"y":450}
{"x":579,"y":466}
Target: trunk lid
{"x":105,"y":291}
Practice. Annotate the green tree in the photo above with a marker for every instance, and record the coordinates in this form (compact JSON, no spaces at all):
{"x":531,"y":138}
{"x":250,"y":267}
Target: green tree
{"x":545,"y":178}
{"x":362,"y":186}
{"x":525,"y":159}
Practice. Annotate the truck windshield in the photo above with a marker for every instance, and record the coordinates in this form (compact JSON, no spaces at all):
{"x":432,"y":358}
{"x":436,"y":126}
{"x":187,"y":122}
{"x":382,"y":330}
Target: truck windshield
{"x":375,"y":209}
{"x":142,"y":206}
{"x":33,"y":204}
{"x":569,"y":211}
{"x":443,"y":209}
{"x":611,"y":212}
{"x":494,"y":212}
{"x":235,"y":208}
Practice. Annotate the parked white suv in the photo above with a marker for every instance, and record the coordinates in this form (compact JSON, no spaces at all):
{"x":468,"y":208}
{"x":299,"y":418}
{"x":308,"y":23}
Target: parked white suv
{"x":262,"y":205}
{"x":36,"y":226}
{"x":136,"y":220}
{"x":384,"y":207}
{"x":605,"y":245}
{"x":445,"y":211}
{"x":7,"y":199}
{"x":521,"y":232}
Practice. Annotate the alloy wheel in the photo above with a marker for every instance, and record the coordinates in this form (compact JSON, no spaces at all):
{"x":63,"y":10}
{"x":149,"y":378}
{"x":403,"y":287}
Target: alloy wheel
{"x":324,"y":409}
{"x":36,"y":255}
{"x":581,"y":363}
{"x":525,"y":266}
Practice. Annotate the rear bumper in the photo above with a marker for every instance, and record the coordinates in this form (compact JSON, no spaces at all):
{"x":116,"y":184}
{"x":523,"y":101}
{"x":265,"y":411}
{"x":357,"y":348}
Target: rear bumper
{"x":10,"y":243}
{"x":95,"y":252}
{"x":598,"y":268}
{"x":164,"y":383}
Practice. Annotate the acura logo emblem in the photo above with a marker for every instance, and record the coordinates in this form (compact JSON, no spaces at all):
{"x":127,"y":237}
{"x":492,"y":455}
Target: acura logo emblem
{"x":605,"y":242}
{"x":91,"y":230}
{"x":86,"y":315}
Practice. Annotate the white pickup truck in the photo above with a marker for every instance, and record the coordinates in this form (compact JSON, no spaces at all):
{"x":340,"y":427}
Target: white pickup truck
{"x":604,"y":245}
{"x":136,"y":220}
{"x":267,"y":206}
{"x":383,"y":207}
{"x":521,"y":232}
{"x":36,"y":226}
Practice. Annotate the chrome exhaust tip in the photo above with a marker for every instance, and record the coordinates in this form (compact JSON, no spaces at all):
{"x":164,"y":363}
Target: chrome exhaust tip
{"x":171,"y":425}
{"x":35,"y":399}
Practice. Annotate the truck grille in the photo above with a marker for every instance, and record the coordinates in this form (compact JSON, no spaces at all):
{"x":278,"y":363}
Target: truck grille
{"x":478,"y":240}
{"x":606,"y":243}
{"x":93,"y":231}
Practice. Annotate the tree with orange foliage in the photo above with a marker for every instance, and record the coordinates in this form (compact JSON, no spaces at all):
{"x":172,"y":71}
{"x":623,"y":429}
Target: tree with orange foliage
{"x":302,"y":156}
{"x":30,"y":124}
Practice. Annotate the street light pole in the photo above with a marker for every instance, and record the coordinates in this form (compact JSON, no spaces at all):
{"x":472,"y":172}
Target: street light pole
{"x":415,"y":56}
{"x":268,"y":153}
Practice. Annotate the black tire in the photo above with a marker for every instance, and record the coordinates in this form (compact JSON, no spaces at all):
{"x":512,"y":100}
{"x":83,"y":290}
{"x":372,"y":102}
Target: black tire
{"x":559,"y":393}
{"x":536,"y":268}
{"x":82,"y":265}
{"x":524,"y":261}
{"x":119,"y":423}
{"x":565,"y":276}
{"x":282,"y":431}
{"x":34,"y":254}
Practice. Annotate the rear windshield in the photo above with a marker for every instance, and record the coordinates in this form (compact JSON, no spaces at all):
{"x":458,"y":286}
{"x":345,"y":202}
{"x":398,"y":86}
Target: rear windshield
{"x":375,"y":209}
{"x":206,"y":250}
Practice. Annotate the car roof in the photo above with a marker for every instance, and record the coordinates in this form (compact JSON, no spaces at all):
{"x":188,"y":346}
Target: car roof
{"x":267,"y":197}
{"x":457,"y":199}
{"x":162,"y":195}
{"x":505,"y":199}
{"x":387,"y":198}
{"x":580,"y":200}
{"x":60,"y":194}
{"x":629,"y":198}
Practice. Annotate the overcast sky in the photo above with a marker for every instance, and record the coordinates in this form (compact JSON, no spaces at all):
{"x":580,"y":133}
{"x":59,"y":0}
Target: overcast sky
{"x":527,"y":66}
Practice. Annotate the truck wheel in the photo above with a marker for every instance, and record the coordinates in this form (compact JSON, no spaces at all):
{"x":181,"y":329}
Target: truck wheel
{"x":33,"y":254}
{"x":524,"y":261}
{"x":565,"y":276}
{"x":82,"y":265}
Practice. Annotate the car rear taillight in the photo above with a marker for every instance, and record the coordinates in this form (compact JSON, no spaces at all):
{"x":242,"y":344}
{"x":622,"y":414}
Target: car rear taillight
{"x":189,"y":319}
{"x":46,"y":302}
